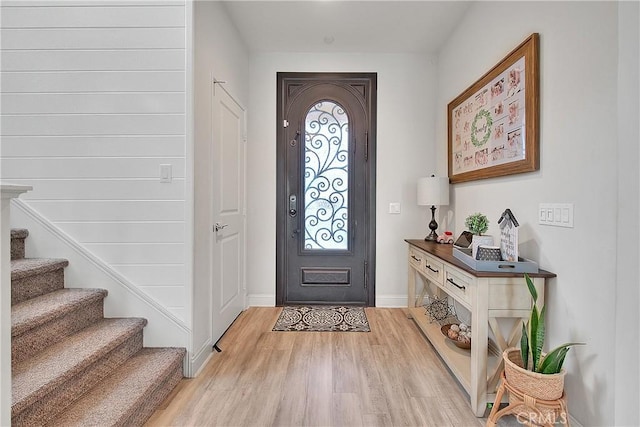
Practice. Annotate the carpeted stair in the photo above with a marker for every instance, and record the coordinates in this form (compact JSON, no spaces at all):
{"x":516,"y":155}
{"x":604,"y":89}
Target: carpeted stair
{"x":70,"y":365}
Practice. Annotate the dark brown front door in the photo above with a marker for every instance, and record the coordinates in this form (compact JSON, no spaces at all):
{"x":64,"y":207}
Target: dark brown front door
{"x":326,"y":188}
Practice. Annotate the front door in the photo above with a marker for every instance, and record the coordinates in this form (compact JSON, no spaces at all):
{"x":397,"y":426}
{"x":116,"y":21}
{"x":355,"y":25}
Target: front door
{"x":326,"y":193}
{"x":228,"y":211}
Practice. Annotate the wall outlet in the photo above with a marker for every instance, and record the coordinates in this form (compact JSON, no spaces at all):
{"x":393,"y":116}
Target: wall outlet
{"x":556,"y":214}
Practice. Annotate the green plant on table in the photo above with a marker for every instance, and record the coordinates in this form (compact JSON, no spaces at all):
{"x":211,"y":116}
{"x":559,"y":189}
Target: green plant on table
{"x":477,"y":223}
{"x":532,"y":340}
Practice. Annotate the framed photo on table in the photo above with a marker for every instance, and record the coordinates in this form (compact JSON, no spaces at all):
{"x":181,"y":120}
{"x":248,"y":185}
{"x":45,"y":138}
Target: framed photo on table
{"x":493,"y":126}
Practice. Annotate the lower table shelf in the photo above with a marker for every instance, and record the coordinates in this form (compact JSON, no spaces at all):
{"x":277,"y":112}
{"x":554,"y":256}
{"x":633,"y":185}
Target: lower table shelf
{"x":457,"y":359}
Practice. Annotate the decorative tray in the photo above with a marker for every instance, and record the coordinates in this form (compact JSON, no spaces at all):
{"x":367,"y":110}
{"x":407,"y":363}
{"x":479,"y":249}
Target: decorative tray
{"x":522,"y":266}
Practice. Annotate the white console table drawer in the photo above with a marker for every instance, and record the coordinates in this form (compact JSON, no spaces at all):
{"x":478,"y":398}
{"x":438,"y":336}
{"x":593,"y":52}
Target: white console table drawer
{"x":417,"y":258}
{"x":433,"y":269}
{"x":458,"y":286}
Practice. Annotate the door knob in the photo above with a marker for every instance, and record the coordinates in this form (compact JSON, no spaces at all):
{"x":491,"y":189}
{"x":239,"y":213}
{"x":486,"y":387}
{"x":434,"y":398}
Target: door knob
{"x":217,"y":226}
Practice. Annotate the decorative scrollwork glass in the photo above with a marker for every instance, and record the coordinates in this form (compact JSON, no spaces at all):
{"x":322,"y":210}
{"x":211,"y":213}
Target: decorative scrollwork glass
{"x":326,"y":177}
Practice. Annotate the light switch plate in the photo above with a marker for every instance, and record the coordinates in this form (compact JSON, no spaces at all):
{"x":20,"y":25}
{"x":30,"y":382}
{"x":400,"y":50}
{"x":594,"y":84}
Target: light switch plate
{"x":556,"y":214}
{"x":394,"y":208}
{"x":165,"y":173}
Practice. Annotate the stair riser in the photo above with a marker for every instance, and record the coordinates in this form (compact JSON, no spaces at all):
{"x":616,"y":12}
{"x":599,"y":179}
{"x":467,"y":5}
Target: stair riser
{"x":34,"y":286}
{"x":64,"y":394}
{"x":17,"y":248}
{"x":154,"y":400}
{"x":37,"y":339}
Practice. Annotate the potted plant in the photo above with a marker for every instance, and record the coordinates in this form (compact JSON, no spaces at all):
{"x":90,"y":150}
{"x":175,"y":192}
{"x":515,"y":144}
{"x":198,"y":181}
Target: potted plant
{"x":527,"y":368}
{"x":477,"y":225}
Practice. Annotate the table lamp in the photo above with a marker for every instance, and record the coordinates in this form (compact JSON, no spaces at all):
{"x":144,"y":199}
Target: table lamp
{"x":434,"y":191}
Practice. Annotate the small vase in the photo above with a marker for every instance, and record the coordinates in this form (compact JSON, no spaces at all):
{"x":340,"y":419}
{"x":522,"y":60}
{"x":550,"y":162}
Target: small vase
{"x":478,"y":240}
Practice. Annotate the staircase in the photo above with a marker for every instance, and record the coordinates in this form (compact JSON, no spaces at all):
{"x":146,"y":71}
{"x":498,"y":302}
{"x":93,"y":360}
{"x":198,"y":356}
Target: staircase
{"x":70,"y":365}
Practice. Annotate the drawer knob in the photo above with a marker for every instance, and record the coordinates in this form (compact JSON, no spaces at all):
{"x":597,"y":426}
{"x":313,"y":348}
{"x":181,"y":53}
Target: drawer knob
{"x":417,"y":259}
{"x":456,"y":285}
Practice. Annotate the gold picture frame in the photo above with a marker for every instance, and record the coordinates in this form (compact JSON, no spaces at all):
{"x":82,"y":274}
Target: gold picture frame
{"x":493,"y":126}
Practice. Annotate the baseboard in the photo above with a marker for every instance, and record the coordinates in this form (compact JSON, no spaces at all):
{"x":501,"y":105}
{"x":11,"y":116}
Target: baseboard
{"x":386,"y":301}
{"x":199,"y":359}
{"x":574,"y":422}
{"x":261,"y":300}
{"x":391,"y":301}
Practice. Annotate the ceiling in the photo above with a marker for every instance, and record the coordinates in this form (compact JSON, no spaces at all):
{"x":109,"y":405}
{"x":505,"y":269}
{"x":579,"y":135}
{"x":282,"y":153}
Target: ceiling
{"x":345,"y":26}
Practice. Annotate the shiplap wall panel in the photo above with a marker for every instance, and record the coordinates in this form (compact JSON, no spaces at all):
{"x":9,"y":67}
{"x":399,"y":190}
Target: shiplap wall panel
{"x":93,"y":60}
{"x":94,"y":81}
{"x":93,"y":146}
{"x":93,"y":101}
{"x":93,"y":124}
{"x":79,"y":16}
{"x":109,"y":210}
{"x":92,"y":38}
{"x":152,"y":275}
{"x":87,"y":167}
{"x":51,"y":4}
{"x":126,"y":232}
{"x":104,"y":189}
{"x":169,"y":296}
{"x":138,"y":253}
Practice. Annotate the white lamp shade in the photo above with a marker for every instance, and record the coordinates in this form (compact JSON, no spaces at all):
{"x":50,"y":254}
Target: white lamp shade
{"x":433,"y":191}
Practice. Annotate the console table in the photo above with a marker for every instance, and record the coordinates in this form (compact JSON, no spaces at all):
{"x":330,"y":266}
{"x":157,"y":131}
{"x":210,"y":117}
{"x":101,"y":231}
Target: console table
{"x":498,"y":302}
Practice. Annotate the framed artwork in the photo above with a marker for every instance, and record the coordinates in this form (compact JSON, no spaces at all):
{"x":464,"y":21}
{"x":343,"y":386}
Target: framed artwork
{"x":493,"y":126}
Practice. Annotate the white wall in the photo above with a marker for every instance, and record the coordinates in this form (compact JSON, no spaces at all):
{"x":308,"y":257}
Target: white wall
{"x":93,"y":101}
{"x":220,"y":53}
{"x":405,"y":143}
{"x":627,"y":361}
{"x":579,"y":164}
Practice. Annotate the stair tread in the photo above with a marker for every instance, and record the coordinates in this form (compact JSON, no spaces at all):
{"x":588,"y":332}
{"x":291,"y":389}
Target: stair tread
{"x":19,"y":233}
{"x":37,"y":311}
{"x":26,"y":267}
{"x":36,"y":376}
{"x":123,"y":391}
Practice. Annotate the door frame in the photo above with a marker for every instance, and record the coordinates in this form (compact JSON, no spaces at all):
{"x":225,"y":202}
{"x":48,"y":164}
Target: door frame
{"x":369,"y":81}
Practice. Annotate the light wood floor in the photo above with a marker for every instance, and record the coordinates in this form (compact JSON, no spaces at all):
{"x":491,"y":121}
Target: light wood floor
{"x":387,"y":377}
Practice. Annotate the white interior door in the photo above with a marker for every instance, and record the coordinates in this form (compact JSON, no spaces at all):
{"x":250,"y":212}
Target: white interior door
{"x":228,"y":212}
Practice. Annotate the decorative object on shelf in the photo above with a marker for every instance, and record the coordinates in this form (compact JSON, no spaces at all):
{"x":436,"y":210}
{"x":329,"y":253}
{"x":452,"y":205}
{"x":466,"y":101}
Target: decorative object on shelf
{"x":439,"y":310}
{"x":434,"y":191}
{"x":477,"y":224}
{"x":464,"y":240}
{"x":459,"y":334}
{"x":530,"y":372}
{"x":488,"y":253}
{"x":493,"y":125}
{"x":446,"y":237}
{"x":508,"y":236}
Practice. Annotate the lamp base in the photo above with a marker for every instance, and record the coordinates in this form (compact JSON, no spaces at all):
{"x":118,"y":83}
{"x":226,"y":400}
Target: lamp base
{"x":431,"y":237}
{"x":433,"y":226}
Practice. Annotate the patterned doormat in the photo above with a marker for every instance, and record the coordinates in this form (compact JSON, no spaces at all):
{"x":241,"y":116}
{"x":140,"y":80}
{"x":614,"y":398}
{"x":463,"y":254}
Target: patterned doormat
{"x":323,"y":319}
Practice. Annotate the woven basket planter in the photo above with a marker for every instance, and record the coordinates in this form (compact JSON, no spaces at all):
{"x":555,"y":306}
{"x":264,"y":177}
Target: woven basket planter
{"x":536,"y":385}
